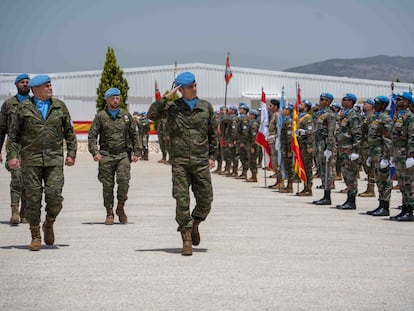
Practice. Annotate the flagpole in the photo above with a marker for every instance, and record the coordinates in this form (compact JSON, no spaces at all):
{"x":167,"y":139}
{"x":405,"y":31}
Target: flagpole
{"x":175,"y":74}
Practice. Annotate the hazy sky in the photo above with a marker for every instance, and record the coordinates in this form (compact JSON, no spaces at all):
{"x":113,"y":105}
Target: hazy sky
{"x":73,"y":35}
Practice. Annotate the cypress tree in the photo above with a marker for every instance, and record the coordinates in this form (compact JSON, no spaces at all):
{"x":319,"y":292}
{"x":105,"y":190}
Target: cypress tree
{"x":112,"y":76}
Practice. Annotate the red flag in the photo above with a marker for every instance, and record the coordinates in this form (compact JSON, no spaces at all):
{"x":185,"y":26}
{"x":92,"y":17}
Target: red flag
{"x":263,"y":133}
{"x":157,"y":92}
{"x":298,"y":165}
{"x":228,"y":74}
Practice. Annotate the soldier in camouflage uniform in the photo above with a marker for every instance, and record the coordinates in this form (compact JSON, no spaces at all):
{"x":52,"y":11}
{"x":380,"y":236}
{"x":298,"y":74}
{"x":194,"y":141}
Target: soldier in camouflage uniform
{"x":220,"y":140}
{"x":274,"y":109}
{"x":193,"y":134}
{"x":306,"y":140}
{"x":243,"y":127}
{"x":252,"y":147}
{"x":403,"y":146}
{"x":118,"y":146}
{"x":379,"y":140}
{"x":231,"y":123}
{"x":368,"y":108}
{"x":8,"y":108}
{"x":349,"y":141}
{"x":163,"y":139}
{"x":37,"y":131}
{"x":287,"y":154}
{"x":143,"y":129}
{"x":325,"y":144}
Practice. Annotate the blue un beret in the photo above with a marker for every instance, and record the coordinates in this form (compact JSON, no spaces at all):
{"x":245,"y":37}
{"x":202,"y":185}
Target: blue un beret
{"x":351,"y":97}
{"x":327,"y":95}
{"x":405,"y":95}
{"x":307,"y":103}
{"x":39,"y":80}
{"x":369,"y":101}
{"x":244,"y":106}
{"x":21,"y":77}
{"x":112,"y":92}
{"x":336,"y":105}
{"x":234,"y":108}
{"x":185,"y":79}
{"x":254,"y":112}
{"x":382,"y":99}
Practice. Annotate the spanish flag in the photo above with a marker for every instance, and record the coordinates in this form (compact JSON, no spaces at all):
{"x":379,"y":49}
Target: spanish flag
{"x":298,"y":165}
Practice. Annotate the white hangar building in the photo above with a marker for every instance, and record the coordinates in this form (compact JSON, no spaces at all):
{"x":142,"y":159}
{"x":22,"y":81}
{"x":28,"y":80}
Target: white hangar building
{"x":78,"y":89}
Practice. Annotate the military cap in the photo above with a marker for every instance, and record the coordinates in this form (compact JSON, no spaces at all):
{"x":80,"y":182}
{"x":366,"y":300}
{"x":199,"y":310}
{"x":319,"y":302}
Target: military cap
{"x":254,"y":112}
{"x":21,"y":77}
{"x":307,"y":103}
{"x":369,"y":101}
{"x":336,"y":105}
{"x":288,"y":106}
{"x":351,"y":97}
{"x":382,"y":100}
{"x":185,"y":79}
{"x":327,"y":95}
{"x":39,"y":80}
{"x":405,"y":95}
{"x":113,"y":91}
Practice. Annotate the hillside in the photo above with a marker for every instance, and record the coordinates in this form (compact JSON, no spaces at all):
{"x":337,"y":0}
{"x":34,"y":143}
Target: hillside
{"x":380,"y":67}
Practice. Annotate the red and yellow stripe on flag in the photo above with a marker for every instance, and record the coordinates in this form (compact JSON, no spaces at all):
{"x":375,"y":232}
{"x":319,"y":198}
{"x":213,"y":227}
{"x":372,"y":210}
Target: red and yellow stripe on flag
{"x":81,"y":127}
{"x":298,"y":165}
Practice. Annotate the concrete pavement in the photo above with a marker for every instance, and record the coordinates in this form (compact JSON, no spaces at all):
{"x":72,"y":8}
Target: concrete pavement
{"x":260,"y":250}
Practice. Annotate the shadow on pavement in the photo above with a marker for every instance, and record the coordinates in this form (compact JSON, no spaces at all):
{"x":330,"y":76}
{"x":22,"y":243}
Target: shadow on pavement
{"x":172,"y":250}
{"x":26,"y":246}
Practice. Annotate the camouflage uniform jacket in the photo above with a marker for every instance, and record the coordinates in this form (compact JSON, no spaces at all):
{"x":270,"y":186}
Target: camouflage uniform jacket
{"x":349,"y":132}
{"x":41,"y":141}
{"x":325,"y":124}
{"x":286,"y":136}
{"x":308,"y":139}
{"x":116,"y":136}
{"x":8,"y":108}
{"x":253,"y":128}
{"x":273,"y":128}
{"x":379,"y":135}
{"x":243,"y":129}
{"x":403,"y":135}
{"x":193,"y":133}
{"x":230,"y":132}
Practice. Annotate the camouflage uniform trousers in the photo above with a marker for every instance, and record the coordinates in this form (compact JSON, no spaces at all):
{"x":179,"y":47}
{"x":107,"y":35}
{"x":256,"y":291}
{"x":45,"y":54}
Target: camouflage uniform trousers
{"x":307,"y":159}
{"x":198,"y":177}
{"x":369,"y":170}
{"x":326,"y":167}
{"x":253,"y":154}
{"x":405,"y":181}
{"x":231,"y":158}
{"x":244,"y":157}
{"x":219,"y":155}
{"x":350,"y":170}
{"x":109,"y":166}
{"x":16,"y":186}
{"x":288,"y":164}
{"x":274,"y":156}
{"x":382,"y":179}
{"x":39,"y":178}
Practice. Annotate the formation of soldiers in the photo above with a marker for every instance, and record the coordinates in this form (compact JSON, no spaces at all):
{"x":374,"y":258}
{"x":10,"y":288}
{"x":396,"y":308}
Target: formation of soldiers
{"x":336,"y":141}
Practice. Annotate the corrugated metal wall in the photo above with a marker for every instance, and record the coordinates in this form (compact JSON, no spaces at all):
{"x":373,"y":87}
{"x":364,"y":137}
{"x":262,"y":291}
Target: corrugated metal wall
{"x":78,"y":89}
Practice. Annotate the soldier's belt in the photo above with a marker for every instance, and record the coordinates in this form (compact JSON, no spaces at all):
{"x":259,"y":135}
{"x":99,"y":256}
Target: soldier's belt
{"x":112,"y":152}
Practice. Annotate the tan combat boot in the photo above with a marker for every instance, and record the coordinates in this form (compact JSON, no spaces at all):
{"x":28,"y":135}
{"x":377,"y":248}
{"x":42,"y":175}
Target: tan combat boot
{"x":15,"y":217}
{"x":253,"y":178}
{"x":288,"y":189}
{"x":48,"y":230}
{"x":187,"y":243}
{"x":243,"y":175}
{"x":370,"y":192}
{"x":109,"y":216}
{"x":306,"y":192}
{"x":195,"y":234}
{"x":123,"y":219}
{"x":36,"y":238}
